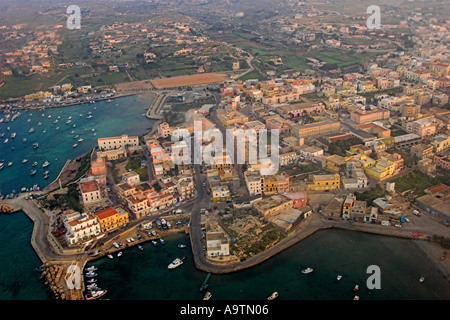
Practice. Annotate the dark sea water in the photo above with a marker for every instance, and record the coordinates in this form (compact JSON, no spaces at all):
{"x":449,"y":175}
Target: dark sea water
{"x":122,"y":116}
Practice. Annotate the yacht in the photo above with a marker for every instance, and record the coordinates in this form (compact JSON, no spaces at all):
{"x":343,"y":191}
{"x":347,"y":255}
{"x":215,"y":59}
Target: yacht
{"x":273,"y":296}
{"x":207,"y":296}
{"x":175,"y":263}
{"x":92,"y":280}
{"x":91,"y":274}
{"x":96,"y":294}
{"x":46,"y":164}
{"x":110,"y":256}
{"x":119,"y":254}
{"x":307,"y":270}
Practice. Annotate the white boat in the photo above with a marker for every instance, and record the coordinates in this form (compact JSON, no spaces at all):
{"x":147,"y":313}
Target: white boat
{"x":80,"y":140}
{"x":356,"y":298}
{"x":35,"y":145}
{"x":307,"y":270}
{"x":93,"y":268}
{"x":24,"y":160}
{"x":207,"y":296}
{"x":181,"y":246}
{"x":356,"y":288}
{"x":33,"y":172}
{"x":422,"y":279}
{"x":155,"y":243}
{"x":140,"y":247}
{"x":2,"y":165}
{"x":273,"y":296}
{"x":91,"y":274}
{"x":13,"y":135}
{"x":46,"y":164}
{"x":75,"y":145}
{"x":57,"y":128}
{"x":339,"y":277}
{"x":34,"y":164}
{"x":162,"y":241}
{"x":175,"y":263}
{"x":10,"y":164}
{"x":119,"y":254}
{"x":24,"y":140}
{"x":110,"y":256}
{"x":31,"y":130}
{"x":68,"y":121}
{"x":96,"y":294}
{"x":46,"y":174}
{"x":6,"y":141}
{"x":92,"y":280}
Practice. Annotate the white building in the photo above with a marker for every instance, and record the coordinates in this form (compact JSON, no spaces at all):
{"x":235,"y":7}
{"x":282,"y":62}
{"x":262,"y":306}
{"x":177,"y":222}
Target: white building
{"x":90,"y":192}
{"x":131,"y":177}
{"x":117,"y":142}
{"x":80,"y":227}
{"x":217,"y":244}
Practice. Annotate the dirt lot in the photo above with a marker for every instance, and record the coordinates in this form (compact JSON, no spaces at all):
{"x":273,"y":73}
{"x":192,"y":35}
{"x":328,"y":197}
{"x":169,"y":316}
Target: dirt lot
{"x":192,"y":80}
{"x":134,"y":86}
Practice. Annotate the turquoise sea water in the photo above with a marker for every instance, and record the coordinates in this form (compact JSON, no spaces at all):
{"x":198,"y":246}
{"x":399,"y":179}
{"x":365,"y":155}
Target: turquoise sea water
{"x":122,"y":116}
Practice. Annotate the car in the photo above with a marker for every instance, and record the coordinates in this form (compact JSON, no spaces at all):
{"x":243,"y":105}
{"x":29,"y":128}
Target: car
{"x":398,"y":225}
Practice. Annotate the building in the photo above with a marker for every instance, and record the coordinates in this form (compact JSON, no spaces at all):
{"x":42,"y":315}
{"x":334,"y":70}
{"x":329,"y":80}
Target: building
{"x":436,"y":202}
{"x":354,"y":209}
{"x":131,"y":177}
{"x":254,"y":182}
{"x":406,"y":141}
{"x":80,"y":227}
{"x":425,"y":128}
{"x":217,"y":244}
{"x":90,"y":192}
{"x":113,"y":143}
{"x":276,"y":184}
{"x":310,"y":152}
{"x":220,"y":194}
{"x":440,"y":143}
{"x":442,"y":161}
{"x":316,"y":129}
{"x":164,"y":130}
{"x":299,"y":198}
{"x":422,"y":151}
{"x":98,"y":166}
{"x":111,"y":218}
{"x":138,"y":204}
{"x":325,"y":182}
{"x":363,"y":116}
{"x":271,"y":206}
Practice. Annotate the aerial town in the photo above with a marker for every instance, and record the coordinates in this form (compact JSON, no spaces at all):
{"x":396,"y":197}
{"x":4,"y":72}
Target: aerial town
{"x":362,"y":146}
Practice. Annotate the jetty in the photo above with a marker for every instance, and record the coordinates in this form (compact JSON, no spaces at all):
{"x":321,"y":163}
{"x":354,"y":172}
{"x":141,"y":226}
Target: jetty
{"x":155,"y":108}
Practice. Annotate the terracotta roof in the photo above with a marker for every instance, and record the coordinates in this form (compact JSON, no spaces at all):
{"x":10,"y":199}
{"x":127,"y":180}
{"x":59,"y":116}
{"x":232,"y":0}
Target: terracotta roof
{"x":89,"y":186}
{"x":105,"y":213}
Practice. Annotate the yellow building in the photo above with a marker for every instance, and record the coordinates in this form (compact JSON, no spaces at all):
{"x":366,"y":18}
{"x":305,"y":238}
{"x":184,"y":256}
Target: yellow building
{"x":382,"y":170}
{"x":325,"y":182}
{"x":336,"y":163}
{"x":111,"y":218}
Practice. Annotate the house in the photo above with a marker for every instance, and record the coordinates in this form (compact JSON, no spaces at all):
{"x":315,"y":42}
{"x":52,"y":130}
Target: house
{"x":324,"y":182}
{"x":80,"y":227}
{"x":90,"y":192}
{"x":111,"y":218}
{"x":217,"y":244}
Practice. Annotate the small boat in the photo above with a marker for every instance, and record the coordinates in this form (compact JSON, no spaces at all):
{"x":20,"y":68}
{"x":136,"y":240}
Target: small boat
{"x":24,"y":160}
{"x":356,"y":298}
{"x":92,"y":280}
{"x":273,"y":296}
{"x":56,"y":121}
{"x":75,"y":145}
{"x":339,"y":277}
{"x":162,"y":241}
{"x":10,"y":164}
{"x":2,"y":165}
{"x":13,"y":135}
{"x":422,"y":279}
{"x":89,"y":116}
{"x":110,"y":256}
{"x":119,"y":254}
{"x":207,"y":296}
{"x":80,"y":140}
{"x":33,"y":172}
{"x":40,"y":124}
{"x":24,"y":140}
{"x":68,"y":121}
{"x":155,"y":243}
{"x":91,"y":274}
{"x":31,"y":130}
{"x":175,"y":263}
{"x":93,"y":268}
{"x":72,"y":132}
{"x":34,"y":164}
{"x":46,"y":164}
{"x":6,"y":141}
{"x":356,"y":288}
{"x":109,"y":100}
{"x":153,"y":233}
{"x":181,"y":246}
{"x":205,"y":282}
{"x":57,"y":128}
{"x":46,"y":174}
{"x":96,"y":294}
{"x":307,"y":270}
{"x":140,"y":247}
{"x":35,"y":145}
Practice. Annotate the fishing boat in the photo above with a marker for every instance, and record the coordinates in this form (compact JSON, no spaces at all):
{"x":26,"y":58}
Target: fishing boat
{"x":93,"y":268}
{"x":33,"y":172}
{"x":273,"y":296}
{"x":181,"y":246}
{"x":110,"y":256}
{"x":35,"y":145}
{"x":356,"y":288}
{"x":119,"y":254}
{"x":176,"y":263}
{"x":422,"y":279}
{"x":91,"y":274}
{"x":46,"y":164}
{"x":96,"y":294}
{"x":205,"y":282}
{"x":207,"y":296}
{"x":162,"y":241}
{"x":307,"y":270}
{"x":339,"y":277}
{"x":140,"y":247}
{"x":155,"y":243}
{"x":92,"y":280}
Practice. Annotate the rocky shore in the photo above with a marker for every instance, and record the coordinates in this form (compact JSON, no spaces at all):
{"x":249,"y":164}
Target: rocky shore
{"x":52,"y":273}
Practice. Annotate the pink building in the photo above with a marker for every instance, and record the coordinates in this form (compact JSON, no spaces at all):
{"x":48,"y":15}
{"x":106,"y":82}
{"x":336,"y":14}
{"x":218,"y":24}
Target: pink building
{"x":299,"y":198}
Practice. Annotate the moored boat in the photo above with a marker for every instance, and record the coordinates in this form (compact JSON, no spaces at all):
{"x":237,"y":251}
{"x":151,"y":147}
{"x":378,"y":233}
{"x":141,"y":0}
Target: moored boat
{"x":46,"y":164}
{"x":175,"y":263}
{"x":307,"y":270}
{"x":155,"y":243}
{"x":273,"y":296}
{"x":96,"y":294}
{"x":181,"y":246}
{"x":162,"y":241}
{"x":339,"y":277}
{"x":422,"y":279}
{"x":207,"y":296}
{"x":140,"y":247}
{"x":356,"y":288}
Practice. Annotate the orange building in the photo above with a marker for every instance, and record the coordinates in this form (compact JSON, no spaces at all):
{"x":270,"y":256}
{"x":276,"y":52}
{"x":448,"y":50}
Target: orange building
{"x":111,"y":218}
